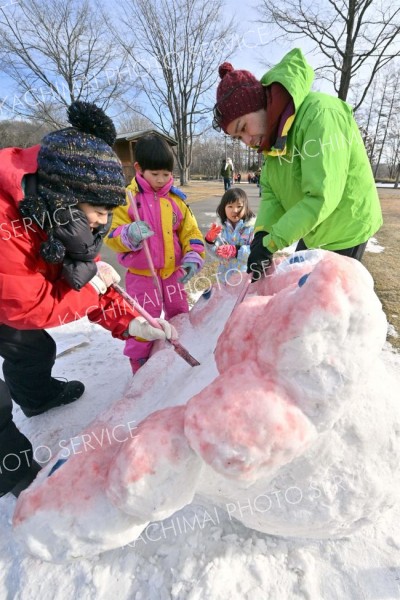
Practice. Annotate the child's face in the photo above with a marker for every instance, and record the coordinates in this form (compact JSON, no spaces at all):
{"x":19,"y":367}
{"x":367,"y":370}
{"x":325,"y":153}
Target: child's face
{"x":234,"y":211}
{"x":156,"y":178}
{"x":96,"y":215}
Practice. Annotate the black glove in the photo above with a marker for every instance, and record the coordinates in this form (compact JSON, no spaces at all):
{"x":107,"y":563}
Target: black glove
{"x":260,"y":258}
{"x":78,"y":273}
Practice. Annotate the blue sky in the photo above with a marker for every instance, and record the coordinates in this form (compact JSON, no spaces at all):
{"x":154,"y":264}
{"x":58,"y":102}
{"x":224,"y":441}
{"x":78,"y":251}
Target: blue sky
{"x":255,"y":49}
{"x":255,"y":53}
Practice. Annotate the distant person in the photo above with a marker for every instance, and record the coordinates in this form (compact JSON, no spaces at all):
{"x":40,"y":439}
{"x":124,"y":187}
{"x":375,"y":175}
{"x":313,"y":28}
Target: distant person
{"x":226,"y":173}
{"x":239,"y":177}
{"x":317,"y":183}
{"x":231,"y":239}
{"x":173,"y":236}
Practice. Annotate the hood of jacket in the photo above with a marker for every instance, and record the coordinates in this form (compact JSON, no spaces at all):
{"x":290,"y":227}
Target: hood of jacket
{"x":145,"y":187}
{"x":15,"y":164}
{"x":294,"y":73}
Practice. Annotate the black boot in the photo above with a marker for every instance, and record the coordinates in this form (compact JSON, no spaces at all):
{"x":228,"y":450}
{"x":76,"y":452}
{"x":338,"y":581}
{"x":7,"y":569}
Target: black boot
{"x":27,"y":479}
{"x":65,"y":393}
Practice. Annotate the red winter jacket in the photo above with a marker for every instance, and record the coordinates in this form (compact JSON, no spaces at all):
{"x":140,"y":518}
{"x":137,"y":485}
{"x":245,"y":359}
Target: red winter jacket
{"x":32,"y":293}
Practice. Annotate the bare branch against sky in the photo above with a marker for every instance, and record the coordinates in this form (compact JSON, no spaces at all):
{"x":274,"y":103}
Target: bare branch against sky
{"x":355,"y":38}
{"x":175,"y":47}
{"x":57,"y":51}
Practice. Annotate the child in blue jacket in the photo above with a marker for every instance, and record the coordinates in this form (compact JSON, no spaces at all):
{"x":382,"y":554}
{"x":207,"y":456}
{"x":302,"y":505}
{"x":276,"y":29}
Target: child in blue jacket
{"x":231,"y":240}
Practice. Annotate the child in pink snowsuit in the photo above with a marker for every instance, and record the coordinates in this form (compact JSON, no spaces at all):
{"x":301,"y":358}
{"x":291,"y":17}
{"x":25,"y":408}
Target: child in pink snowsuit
{"x":174,"y":239}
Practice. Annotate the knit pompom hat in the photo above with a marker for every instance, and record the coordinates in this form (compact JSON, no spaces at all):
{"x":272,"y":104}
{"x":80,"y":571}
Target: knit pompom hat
{"x":238,"y":94}
{"x":75,"y":164}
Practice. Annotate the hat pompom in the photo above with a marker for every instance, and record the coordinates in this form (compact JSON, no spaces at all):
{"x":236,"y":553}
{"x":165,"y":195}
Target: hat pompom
{"x":89,"y":118}
{"x":224,"y":69}
{"x":53,"y":250}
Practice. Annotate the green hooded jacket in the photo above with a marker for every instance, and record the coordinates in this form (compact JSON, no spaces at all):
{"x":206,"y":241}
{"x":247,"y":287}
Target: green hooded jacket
{"x":321,"y":188}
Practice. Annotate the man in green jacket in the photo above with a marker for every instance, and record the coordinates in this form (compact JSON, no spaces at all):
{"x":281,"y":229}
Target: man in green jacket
{"x":317,"y":184}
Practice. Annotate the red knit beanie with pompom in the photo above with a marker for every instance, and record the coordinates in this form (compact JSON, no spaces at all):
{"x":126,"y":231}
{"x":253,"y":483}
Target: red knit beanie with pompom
{"x":238,"y":94}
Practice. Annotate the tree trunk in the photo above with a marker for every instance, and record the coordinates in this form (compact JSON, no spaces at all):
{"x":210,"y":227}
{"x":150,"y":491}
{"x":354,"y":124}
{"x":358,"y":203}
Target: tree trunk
{"x":396,"y":184}
{"x":183,"y":175}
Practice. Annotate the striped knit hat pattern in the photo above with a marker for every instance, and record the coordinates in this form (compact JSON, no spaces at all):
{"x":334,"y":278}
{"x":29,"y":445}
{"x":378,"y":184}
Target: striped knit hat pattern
{"x":77,"y":164}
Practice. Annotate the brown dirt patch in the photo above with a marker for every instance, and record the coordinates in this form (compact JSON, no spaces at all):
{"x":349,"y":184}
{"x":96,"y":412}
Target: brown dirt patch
{"x":199,"y":190}
{"x":385,"y":266}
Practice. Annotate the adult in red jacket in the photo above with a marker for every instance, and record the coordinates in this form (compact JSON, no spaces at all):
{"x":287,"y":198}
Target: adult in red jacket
{"x":55,"y":201}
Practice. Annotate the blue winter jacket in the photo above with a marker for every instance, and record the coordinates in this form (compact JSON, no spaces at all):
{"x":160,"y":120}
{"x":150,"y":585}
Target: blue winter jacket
{"x":239,"y":235}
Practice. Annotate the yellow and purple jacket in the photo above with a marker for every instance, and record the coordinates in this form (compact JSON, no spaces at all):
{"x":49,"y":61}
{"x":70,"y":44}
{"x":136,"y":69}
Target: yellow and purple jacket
{"x":176,"y":238}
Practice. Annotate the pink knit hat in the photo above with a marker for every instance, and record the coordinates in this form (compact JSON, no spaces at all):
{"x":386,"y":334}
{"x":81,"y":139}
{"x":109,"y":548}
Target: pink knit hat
{"x":238,"y":94}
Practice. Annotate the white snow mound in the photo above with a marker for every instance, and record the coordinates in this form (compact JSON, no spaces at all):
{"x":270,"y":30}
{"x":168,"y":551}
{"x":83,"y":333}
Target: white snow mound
{"x":287,"y":430}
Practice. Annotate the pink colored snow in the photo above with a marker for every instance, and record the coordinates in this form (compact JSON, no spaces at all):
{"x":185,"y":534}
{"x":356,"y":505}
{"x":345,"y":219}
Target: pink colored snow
{"x":155,"y":461}
{"x":288,"y":360}
{"x":245,"y":424}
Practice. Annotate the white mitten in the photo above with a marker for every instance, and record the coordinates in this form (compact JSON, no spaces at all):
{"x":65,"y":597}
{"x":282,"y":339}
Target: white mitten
{"x":106,"y":276}
{"x":141,"y":328}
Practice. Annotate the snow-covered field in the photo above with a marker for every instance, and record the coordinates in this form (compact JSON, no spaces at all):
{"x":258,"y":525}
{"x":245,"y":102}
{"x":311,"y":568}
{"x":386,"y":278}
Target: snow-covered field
{"x":203,"y":550}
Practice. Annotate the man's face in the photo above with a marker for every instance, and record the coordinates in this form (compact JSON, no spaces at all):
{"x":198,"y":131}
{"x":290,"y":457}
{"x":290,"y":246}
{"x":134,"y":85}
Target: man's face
{"x":96,"y":215}
{"x":251,"y":129}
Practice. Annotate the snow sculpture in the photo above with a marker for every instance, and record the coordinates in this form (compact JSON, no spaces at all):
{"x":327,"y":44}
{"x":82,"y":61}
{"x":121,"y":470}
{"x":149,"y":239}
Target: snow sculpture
{"x":290,"y":437}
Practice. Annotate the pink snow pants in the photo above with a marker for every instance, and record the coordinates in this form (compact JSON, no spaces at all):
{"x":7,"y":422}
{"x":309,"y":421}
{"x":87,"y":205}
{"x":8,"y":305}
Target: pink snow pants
{"x":174,"y":302}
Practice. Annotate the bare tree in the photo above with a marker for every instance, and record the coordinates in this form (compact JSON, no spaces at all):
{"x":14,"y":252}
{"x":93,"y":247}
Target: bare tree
{"x":390,"y":98}
{"x":175,"y":47}
{"x":379,"y":122}
{"x":396,"y":183}
{"x":133,"y":122}
{"x":393,"y":155}
{"x":21,"y":134}
{"x":207,"y":154}
{"x":356,"y":37}
{"x":393,"y":145}
{"x":57,"y":51}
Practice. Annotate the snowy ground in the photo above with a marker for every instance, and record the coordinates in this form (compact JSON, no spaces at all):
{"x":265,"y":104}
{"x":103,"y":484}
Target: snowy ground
{"x":201,"y":552}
